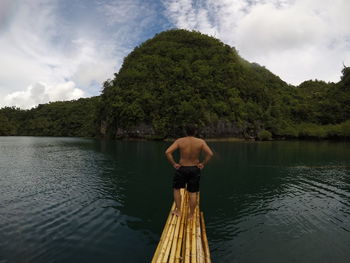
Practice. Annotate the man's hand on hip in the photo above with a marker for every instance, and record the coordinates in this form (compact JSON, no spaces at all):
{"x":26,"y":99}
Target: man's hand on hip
{"x":200,"y":166}
{"x":176,"y":166}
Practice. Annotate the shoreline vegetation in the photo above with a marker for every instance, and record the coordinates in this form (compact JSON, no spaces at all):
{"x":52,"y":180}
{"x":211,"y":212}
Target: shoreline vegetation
{"x":224,"y":139}
{"x":182,"y":77}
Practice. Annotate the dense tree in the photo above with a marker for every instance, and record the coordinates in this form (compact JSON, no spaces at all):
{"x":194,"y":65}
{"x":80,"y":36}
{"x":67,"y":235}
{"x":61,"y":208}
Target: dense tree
{"x":62,"y":118}
{"x":6,"y":126}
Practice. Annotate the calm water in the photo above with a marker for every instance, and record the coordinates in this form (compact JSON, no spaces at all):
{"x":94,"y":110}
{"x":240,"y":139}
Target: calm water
{"x":85,"y":200}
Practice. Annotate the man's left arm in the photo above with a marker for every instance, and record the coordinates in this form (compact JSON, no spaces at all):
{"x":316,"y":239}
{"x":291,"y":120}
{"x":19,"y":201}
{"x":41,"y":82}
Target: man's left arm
{"x":169,"y":154}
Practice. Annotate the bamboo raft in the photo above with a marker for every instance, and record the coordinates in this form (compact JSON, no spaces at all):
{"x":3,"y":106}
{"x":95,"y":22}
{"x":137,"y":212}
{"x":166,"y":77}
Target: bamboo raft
{"x":183,"y":240}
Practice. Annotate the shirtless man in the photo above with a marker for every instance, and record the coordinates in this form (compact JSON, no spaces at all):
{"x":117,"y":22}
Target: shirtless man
{"x":189,"y":167}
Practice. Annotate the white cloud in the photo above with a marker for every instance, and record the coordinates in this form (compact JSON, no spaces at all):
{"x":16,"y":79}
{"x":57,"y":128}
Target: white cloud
{"x":295,"y":39}
{"x":42,"y":93}
{"x":186,"y":15}
{"x":39,"y":45}
{"x":276,"y":29}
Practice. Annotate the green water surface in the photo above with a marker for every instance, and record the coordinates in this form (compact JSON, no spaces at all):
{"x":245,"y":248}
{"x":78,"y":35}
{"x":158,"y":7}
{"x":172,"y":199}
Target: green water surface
{"x":88,"y":200}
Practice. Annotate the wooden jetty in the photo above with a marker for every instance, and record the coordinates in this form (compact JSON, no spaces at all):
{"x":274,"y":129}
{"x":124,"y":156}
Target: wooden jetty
{"x":183,"y":240}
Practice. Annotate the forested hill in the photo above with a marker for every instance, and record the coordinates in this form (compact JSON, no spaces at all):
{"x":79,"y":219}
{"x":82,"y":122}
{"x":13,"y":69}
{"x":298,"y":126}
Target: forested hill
{"x":180,"y":77}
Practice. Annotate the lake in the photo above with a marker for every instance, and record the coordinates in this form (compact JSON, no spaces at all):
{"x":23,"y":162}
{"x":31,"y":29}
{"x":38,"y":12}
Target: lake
{"x":89,"y":200}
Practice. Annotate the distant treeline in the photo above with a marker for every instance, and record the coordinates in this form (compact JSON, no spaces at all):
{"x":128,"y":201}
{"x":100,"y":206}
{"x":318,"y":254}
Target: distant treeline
{"x":62,"y":118}
{"x":180,"y":77}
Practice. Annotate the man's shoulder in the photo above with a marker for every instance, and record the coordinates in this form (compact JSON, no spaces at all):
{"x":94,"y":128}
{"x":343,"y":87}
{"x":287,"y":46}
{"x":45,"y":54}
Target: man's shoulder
{"x":186,"y":137}
{"x":200,"y":140}
{"x":193,"y":139}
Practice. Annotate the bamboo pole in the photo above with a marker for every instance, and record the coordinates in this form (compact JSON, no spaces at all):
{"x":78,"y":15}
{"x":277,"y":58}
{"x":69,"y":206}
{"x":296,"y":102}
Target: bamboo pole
{"x":165,"y":230}
{"x":169,"y":240}
{"x":183,"y":248}
{"x":176,"y":233}
{"x":173,"y":243}
{"x":188,"y":239}
{"x":205,"y":240}
{"x":200,"y":254}
{"x":198,"y":240}
{"x":167,"y":245}
{"x":193,"y":237}
{"x":164,"y":243}
{"x":181,"y":231}
{"x":164,"y":253}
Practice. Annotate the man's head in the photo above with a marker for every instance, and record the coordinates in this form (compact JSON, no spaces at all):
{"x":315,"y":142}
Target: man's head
{"x":191,"y":130}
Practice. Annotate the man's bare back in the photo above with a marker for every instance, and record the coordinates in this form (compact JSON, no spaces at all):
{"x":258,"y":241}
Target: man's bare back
{"x":190,"y":149}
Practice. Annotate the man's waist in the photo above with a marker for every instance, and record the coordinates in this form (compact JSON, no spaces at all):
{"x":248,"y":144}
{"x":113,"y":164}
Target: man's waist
{"x":189,"y":163}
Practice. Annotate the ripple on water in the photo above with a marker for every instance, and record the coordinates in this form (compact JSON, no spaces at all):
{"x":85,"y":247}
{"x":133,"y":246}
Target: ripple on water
{"x":52,"y":201}
{"x":66,"y":200}
{"x":311,"y":206}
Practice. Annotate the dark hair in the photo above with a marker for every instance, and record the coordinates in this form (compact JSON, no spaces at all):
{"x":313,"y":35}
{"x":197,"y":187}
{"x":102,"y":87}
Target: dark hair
{"x":191,"y":130}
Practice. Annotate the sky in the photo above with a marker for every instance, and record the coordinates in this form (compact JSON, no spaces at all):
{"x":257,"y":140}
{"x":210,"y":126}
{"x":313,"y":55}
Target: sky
{"x":54,"y":50}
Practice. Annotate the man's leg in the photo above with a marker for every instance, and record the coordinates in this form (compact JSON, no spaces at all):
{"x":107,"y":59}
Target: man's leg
{"x":193,"y":203}
{"x":193,"y":189}
{"x":177,"y":199}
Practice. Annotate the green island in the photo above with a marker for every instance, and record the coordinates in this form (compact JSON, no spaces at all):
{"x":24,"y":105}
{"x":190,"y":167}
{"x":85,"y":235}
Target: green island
{"x":180,"y":77}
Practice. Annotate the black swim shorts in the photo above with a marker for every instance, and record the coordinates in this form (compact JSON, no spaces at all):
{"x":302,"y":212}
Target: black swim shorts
{"x":189,"y":175}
